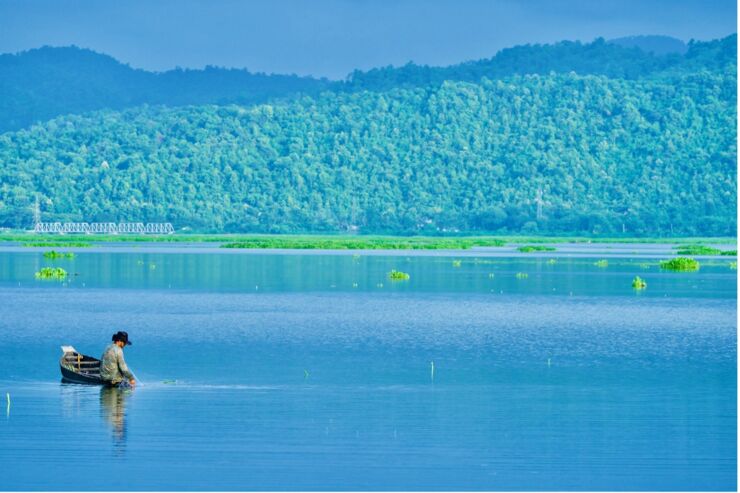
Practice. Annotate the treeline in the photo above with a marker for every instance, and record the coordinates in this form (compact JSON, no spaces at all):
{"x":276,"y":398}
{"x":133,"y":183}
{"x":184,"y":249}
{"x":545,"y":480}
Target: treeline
{"x":40,"y":84}
{"x":554,"y":153}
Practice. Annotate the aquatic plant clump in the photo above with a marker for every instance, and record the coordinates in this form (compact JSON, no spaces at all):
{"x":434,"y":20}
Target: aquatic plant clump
{"x":639,"y":283}
{"x":680,"y":264}
{"x":733,"y":265}
{"x":697,"y":250}
{"x":535,"y":248}
{"x":397,"y":275}
{"x":522,"y":275}
{"x":54,"y":273}
{"x":602,"y":263}
{"x":58,"y":244}
{"x":731,"y":253}
{"x":53,"y":254}
{"x":456,"y":263}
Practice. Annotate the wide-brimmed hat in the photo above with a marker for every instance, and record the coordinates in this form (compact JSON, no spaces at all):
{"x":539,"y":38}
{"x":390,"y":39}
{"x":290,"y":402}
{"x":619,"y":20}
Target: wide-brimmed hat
{"x":121,"y":336}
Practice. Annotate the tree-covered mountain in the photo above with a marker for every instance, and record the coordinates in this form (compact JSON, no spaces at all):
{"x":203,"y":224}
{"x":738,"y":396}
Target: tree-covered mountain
{"x":657,"y":45}
{"x":543,"y":152}
{"x":40,"y":84}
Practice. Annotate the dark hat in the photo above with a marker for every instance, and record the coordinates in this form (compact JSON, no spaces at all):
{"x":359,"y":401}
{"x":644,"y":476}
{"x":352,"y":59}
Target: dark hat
{"x":121,"y":336}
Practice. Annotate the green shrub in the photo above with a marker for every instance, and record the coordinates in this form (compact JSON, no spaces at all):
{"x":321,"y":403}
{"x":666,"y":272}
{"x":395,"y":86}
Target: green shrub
{"x":55,"y":273}
{"x":53,"y":254}
{"x":697,"y":250}
{"x":397,"y":275}
{"x":639,"y":283}
{"x":535,"y":248}
{"x":680,"y":264}
{"x":732,"y":253}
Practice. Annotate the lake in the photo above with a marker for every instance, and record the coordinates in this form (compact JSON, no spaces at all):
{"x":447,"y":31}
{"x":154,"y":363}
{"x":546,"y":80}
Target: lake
{"x":314,"y":370}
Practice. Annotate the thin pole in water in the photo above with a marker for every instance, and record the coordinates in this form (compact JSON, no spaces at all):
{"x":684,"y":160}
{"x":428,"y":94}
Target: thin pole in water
{"x":432,"y":371}
{"x":7,"y":396}
{"x":548,"y":362}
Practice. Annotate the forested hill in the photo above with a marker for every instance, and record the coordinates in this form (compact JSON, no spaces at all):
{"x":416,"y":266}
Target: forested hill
{"x":40,"y":84}
{"x":537,"y":153}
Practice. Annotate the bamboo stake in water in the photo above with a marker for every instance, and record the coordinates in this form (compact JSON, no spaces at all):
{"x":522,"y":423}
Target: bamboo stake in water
{"x":7,"y":396}
{"x":432,"y":371}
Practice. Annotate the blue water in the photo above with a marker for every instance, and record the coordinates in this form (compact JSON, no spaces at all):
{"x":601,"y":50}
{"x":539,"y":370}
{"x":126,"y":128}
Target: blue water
{"x":315,"y":372}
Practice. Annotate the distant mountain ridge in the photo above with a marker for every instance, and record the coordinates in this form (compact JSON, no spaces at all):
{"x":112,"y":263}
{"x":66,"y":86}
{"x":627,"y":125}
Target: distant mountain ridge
{"x":657,"y":45}
{"x":43,"y":83}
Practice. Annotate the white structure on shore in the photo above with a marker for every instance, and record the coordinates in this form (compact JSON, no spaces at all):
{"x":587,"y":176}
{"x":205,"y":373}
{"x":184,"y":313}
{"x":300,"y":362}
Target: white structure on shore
{"x":105,"y":228}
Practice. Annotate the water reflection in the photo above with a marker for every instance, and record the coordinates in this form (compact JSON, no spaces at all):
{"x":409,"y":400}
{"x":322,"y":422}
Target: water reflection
{"x":113,"y":409}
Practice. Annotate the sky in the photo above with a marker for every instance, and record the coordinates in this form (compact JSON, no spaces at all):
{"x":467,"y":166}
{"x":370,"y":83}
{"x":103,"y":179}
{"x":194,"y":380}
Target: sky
{"x":330,"y":38}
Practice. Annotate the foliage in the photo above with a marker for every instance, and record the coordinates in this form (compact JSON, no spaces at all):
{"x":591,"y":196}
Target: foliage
{"x":52,"y":273}
{"x":535,"y":248}
{"x":613,"y":141}
{"x":53,"y":254}
{"x":457,"y":263}
{"x":733,"y":265}
{"x":522,"y":275}
{"x":639,"y":283}
{"x":730,"y":253}
{"x":602,"y":263}
{"x":360,"y":243}
{"x":680,"y":264}
{"x":397,"y":275}
{"x":697,"y":250}
{"x":70,"y":244}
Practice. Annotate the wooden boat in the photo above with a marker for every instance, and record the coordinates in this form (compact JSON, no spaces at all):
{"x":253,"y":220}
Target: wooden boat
{"x":79,"y":368}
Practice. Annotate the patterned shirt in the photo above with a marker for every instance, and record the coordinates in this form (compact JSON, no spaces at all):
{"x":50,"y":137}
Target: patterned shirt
{"x":113,"y":368}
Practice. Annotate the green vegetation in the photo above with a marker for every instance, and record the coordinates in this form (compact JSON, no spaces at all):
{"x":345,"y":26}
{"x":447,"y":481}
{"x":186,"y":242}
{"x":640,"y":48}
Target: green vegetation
{"x":363,"y":243}
{"x":552,"y":261}
{"x":733,"y":265}
{"x":680,"y":264}
{"x":732,"y":253}
{"x":522,"y":275}
{"x":697,"y":250}
{"x":52,"y":273}
{"x":615,"y":141}
{"x":457,"y":263}
{"x":57,"y":244}
{"x":53,"y":254}
{"x":639,"y":283}
{"x":535,"y":248}
{"x":397,"y":275}
{"x":603,"y":263}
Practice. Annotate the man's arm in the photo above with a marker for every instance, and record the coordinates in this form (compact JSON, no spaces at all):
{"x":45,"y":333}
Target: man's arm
{"x":123,"y":368}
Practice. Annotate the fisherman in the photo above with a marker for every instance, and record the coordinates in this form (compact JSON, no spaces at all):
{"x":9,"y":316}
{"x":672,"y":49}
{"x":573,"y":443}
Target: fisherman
{"x":113,"y":369}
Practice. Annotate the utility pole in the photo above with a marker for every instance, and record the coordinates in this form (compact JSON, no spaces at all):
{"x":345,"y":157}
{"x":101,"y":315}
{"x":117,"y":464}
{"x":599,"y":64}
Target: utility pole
{"x":539,"y":202}
{"x":36,"y":211}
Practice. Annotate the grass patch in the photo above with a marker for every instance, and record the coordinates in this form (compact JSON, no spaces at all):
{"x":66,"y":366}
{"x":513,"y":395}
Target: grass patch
{"x":697,"y":250}
{"x":58,"y":244}
{"x":397,"y":275}
{"x":684,"y":264}
{"x":732,"y":253}
{"x":360,"y":243}
{"x":535,"y":248}
{"x":52,"y":273}
{"x":639,"y":283}
{"x":53,"y":254}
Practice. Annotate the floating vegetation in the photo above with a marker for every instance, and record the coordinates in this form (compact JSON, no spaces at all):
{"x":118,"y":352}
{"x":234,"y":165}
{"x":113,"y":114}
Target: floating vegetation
{"x":397,"y":275}
{"x":697,"y":250}
{"x":354,"y":284}
{"x":140,"y":262}
{"x":522,"y":275}
{"x":680,"y":264}
{"x":603,"y":263}
{"x":58,"y":244}
{"x":552,"y":261}
{"x":368,"y":243}
{"x":733,"y":265}
{"x":491,"y":275}
{"x":55,"y":273}
{"x":639,"y":283}
{"x":152,"y":266}
{"x":169,"y":382}
{"x":53,"y":254}
{"x":456,"y":263}
{"x":732,"y":253}
{"x":645,"y":265}
{"x":535,"y":248}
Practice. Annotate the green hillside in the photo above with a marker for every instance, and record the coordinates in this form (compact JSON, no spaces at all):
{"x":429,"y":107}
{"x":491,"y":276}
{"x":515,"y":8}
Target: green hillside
{"x":649,"y":155}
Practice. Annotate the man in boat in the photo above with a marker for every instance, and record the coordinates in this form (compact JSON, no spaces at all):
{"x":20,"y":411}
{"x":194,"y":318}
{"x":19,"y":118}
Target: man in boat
{"x":113,"y":368}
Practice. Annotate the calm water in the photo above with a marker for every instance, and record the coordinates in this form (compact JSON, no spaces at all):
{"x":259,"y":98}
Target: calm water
{"x":315,"y":372}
